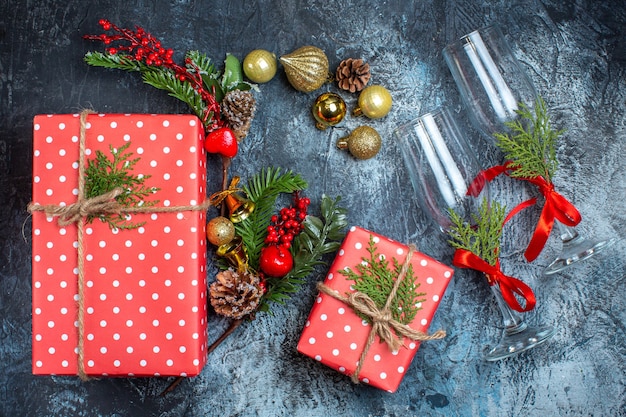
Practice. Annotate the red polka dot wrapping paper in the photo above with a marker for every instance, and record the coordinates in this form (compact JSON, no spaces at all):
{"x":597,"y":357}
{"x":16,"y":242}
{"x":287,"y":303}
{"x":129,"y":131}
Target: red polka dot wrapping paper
{"x":335,"y":335}
{"x":145,"y":289}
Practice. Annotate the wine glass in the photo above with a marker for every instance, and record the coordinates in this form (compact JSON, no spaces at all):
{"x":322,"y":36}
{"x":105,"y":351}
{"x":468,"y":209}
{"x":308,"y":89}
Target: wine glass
{"x":442,"y":168}
{"x":492,"y":85}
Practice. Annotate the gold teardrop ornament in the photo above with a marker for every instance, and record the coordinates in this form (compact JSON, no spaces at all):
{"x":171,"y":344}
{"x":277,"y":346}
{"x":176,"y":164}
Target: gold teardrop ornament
{"x":374,"y":102}
{"x":329,"y":109}
{"x":306,"y":68}
{"x":260,"y":66}
{"x":363,"y":143}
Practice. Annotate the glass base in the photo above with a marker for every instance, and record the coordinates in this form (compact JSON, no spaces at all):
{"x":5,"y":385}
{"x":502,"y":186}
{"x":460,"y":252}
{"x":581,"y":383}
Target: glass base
{"x":574,"y":250}
{"x":518,"y":339}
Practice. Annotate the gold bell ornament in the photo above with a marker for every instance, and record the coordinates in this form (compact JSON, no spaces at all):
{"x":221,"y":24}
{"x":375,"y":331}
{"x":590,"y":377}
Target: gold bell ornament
{"x":374,"y":102}
{"x":363,"y":143}
{"x":239,"y":207}
{"x":220,"y":230}
{"x":260,"y":66}
{"x":235,"y":252}
{"x":306,"y":68}
{"x":329,"y":109}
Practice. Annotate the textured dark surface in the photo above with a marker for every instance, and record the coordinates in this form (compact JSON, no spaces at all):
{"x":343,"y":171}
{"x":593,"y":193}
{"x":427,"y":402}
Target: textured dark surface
{"x":574,"y":51}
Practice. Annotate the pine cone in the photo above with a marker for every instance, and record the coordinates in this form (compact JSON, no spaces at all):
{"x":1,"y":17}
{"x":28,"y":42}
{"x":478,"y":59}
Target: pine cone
{"x":235,"y":294}
{"x":352,"y":74}
{"x":238,"y":108}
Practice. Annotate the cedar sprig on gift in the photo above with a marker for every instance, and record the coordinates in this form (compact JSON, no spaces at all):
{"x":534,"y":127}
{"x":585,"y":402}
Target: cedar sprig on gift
{"x":104,"y":174}
{"x":482,"y":235}
{"x":375,"y":278}
{"x":531,"y":145}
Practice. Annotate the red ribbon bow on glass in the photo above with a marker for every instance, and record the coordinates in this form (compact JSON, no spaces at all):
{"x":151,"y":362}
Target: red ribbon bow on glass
{"x":509,"y":286}
{"x":555,"y":207}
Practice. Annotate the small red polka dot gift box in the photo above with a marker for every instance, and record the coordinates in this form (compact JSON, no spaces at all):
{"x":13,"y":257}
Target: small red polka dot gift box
{"x":371,"y":294}
{"x":111,"y":300}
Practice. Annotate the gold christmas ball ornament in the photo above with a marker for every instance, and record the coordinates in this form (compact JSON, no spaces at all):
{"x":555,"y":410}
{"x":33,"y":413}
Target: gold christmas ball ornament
{"x":220,"y":231}
{"x":329,"y":109}
{"x":306,"y":68}
{"x":374,"y":102}
{"x":363,"y":143}
{"x":260,"y":66}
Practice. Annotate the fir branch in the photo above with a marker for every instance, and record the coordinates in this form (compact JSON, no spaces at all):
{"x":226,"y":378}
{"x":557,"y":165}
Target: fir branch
{"x":263,"y":189}
{"x":482,"y":238}
{"x":103,"y":175}
{"x":118,"y":61}
{"x":165,"y":79}
{"x":376,"y":279}
{"x":321,"y":235}
{"x":531,"y":145}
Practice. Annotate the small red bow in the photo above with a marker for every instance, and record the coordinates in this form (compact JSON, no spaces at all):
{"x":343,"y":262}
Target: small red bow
{"x":555,"y":207}
{"x":509,"y":286}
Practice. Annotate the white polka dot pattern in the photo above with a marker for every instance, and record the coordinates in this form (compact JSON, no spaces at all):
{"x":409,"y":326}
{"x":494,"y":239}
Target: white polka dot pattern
{"x":344,"y":333}
{"x":145,"y":289}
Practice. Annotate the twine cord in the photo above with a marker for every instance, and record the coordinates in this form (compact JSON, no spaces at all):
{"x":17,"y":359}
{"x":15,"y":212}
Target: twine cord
{"x":384,"y":325}
{"x":78,"y":213}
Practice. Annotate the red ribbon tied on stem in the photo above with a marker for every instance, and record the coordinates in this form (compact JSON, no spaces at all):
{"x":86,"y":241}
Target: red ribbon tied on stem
{"x":555,"y":207}
{"x":509,"y":286}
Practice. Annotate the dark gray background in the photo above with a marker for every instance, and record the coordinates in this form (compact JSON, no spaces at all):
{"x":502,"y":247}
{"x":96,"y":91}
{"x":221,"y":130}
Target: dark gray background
{"x":574,"y":51}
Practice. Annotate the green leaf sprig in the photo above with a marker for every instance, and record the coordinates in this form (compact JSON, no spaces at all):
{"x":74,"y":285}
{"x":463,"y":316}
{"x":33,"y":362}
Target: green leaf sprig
{"x":321,"y":235}
{"x":531,"y":145}
{"x":375,"y":278}
{"x":104,"y":174}
{"x":482,"y":235}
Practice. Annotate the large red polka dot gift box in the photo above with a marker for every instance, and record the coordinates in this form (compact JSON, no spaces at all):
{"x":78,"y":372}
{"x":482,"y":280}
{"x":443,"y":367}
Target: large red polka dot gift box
{"x":124,"y":297}
{"x":374,"y":309}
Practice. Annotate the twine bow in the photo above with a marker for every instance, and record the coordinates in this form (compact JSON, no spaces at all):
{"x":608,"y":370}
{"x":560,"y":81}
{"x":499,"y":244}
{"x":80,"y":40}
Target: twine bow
{"x":217,"y":198}
{"x":384,"y":325}
{"x":555,"y":207}
{"x":83,"y":208}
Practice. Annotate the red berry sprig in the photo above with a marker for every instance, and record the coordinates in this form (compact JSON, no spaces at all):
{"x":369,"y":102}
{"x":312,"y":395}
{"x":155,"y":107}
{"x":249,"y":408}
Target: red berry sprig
{"x":288,"y":223}
{"x":141,"y":46}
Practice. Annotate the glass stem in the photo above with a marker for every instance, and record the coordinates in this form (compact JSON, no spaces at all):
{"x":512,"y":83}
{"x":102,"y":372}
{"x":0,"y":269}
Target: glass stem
{"x":566,"y":233}
{"x":513,"y":322}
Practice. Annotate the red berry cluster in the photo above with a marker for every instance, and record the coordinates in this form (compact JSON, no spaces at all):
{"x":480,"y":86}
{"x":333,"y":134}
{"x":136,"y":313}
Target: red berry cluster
{"x":288,"y":223}
{"x":143,"y":47}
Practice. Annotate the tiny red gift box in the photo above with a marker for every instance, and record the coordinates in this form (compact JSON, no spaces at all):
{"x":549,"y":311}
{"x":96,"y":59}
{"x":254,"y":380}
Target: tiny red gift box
{"x":335,"y":335}
{"x":144,"y":289}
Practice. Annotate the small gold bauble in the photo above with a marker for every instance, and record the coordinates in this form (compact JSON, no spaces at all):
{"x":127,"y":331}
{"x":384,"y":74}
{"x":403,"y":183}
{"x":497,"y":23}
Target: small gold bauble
{"x":220,"y":231}
{"x":260,"y":66}
{"x":329,"y":109}
{"x":363,"y":143}
{"x":374,"y":102}
{"x":306,"y":68}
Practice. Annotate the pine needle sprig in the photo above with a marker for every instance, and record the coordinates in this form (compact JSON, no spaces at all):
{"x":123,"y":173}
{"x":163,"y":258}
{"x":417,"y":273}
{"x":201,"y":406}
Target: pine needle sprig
{"x":166,"y":80}
{"x":482,"y":235}
{"x":104,"y":174}
{"x":263,"y":189}
{"x":321,"y":235}
{"x":375,"y":278}
{"x":531,"y":145}
{"x":118,"y":61}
